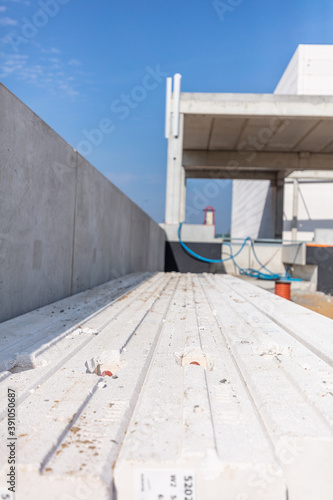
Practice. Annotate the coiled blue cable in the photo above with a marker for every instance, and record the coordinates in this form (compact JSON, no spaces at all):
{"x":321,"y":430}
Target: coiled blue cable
{"x":254,"y":273}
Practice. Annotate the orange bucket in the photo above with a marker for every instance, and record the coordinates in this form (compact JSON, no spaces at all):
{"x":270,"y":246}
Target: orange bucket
{"x":282,"y":288}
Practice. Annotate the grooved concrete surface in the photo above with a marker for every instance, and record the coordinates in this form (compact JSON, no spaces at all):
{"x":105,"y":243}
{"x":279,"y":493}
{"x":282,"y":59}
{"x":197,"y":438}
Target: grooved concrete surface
{"x":251,"y":419}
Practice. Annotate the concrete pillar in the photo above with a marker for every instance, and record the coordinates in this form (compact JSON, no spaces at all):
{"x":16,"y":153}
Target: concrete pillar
{"x":182,"y":213}
{"x":176,"y":185}
{"x":295,"y":211}
{"x":279,"y":194}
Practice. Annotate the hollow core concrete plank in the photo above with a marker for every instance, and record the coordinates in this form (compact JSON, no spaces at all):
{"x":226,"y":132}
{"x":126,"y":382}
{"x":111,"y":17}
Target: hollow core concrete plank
{"x":219,"y":389}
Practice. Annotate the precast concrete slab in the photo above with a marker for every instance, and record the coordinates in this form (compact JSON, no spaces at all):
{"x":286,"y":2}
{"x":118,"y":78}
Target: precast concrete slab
{"x":64,"y":227}
{"x":169,"y":385}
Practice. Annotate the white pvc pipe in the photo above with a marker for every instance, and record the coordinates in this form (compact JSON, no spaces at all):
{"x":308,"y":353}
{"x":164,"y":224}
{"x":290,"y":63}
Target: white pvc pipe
{"x":168,"y":106}
{"x":176,"y":104}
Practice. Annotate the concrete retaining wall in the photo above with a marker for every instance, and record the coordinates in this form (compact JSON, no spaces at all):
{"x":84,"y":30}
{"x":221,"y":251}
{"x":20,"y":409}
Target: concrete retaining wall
{"x":63,"y":226}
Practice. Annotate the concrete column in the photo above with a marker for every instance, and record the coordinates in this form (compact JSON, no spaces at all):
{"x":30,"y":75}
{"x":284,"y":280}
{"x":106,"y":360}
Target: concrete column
{"x":279,"y":194}
{"x":182,"y":213}
{"x":176,"y":186}
{"x":295,"y":211}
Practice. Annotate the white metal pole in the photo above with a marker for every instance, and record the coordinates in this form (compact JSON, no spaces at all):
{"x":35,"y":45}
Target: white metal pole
{"x":176,"y":104}
{"x":168,"y":106}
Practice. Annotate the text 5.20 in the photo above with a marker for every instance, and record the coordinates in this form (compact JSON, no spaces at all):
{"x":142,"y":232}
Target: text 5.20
{"x":188,"y":488}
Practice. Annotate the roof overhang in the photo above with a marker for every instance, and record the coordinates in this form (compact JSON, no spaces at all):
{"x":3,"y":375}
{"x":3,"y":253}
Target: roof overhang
{"x":256,"y":135}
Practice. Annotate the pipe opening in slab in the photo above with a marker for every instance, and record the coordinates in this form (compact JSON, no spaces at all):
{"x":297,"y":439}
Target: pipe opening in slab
{"x":104,"y":369}
{"x":196,"y":357}
{"x":107,"y":369}
{"x":197,"y":361}
{"x":105,"y":364}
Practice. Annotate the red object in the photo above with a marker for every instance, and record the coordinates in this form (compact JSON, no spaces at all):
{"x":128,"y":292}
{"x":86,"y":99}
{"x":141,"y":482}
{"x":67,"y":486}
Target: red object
{"x":195,"y":363}
{"x":106,"y":373}
{"x":282,"y":289}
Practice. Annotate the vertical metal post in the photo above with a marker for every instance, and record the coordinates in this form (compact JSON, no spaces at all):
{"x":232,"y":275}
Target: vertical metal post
{"x":295,"y":211}
{"x":176,"y":182}
{"x":168,"y":107}
{"x":176,"y":104}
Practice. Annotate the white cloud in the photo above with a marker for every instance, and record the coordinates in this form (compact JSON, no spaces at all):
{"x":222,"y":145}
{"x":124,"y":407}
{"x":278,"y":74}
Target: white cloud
{"x":3,"y":8}
{"x":48,"y":73}
{"x":14,"y":64}
{"x":74,"y":62}
{"x":52,"y":50}
{"x":7,"y":21}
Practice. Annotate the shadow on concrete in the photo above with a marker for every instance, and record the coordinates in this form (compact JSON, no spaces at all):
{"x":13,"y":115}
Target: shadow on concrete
{"x":177,"y":259}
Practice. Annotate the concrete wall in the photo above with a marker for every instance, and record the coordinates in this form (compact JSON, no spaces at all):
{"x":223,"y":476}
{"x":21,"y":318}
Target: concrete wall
{"x":253,"y":209}
{"x":289,"y":81}
{"x":309,"y":72}
{"x":199,"y":233}
{"x":63,"y":226}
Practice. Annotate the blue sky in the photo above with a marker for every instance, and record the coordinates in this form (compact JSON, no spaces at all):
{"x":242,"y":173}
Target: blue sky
{"x":71,"y":61}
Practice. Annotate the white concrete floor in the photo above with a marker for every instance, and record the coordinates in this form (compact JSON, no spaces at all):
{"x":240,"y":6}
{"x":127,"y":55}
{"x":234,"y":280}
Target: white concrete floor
{"x":251,"y":419}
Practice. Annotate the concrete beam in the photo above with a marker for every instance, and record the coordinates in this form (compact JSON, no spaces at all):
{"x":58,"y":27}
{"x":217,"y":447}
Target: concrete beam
{"x":261,"y":160}
{"x":228,"y":173}
{"x":312,"y":175}
{"x":199,"y":233}
{"x":257,"y":105}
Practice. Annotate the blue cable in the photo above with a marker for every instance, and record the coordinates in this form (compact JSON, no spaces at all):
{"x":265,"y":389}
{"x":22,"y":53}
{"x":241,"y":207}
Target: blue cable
{"x":254,"y":273}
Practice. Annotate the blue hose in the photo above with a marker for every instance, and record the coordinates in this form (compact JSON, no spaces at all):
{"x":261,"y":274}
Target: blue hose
{"x":254,"y":273}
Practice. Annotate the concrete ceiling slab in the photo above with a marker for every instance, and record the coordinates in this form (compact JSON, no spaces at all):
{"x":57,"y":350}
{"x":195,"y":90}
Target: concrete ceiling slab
{"x":238,"y":123}
{"x":197,"y":131}
{"x":225,"y":133}
{"x":294,"y":133}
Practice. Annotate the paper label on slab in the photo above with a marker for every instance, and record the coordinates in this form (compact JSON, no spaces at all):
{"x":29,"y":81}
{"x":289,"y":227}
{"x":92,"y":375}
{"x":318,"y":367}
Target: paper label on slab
{"x":165,"y":485}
